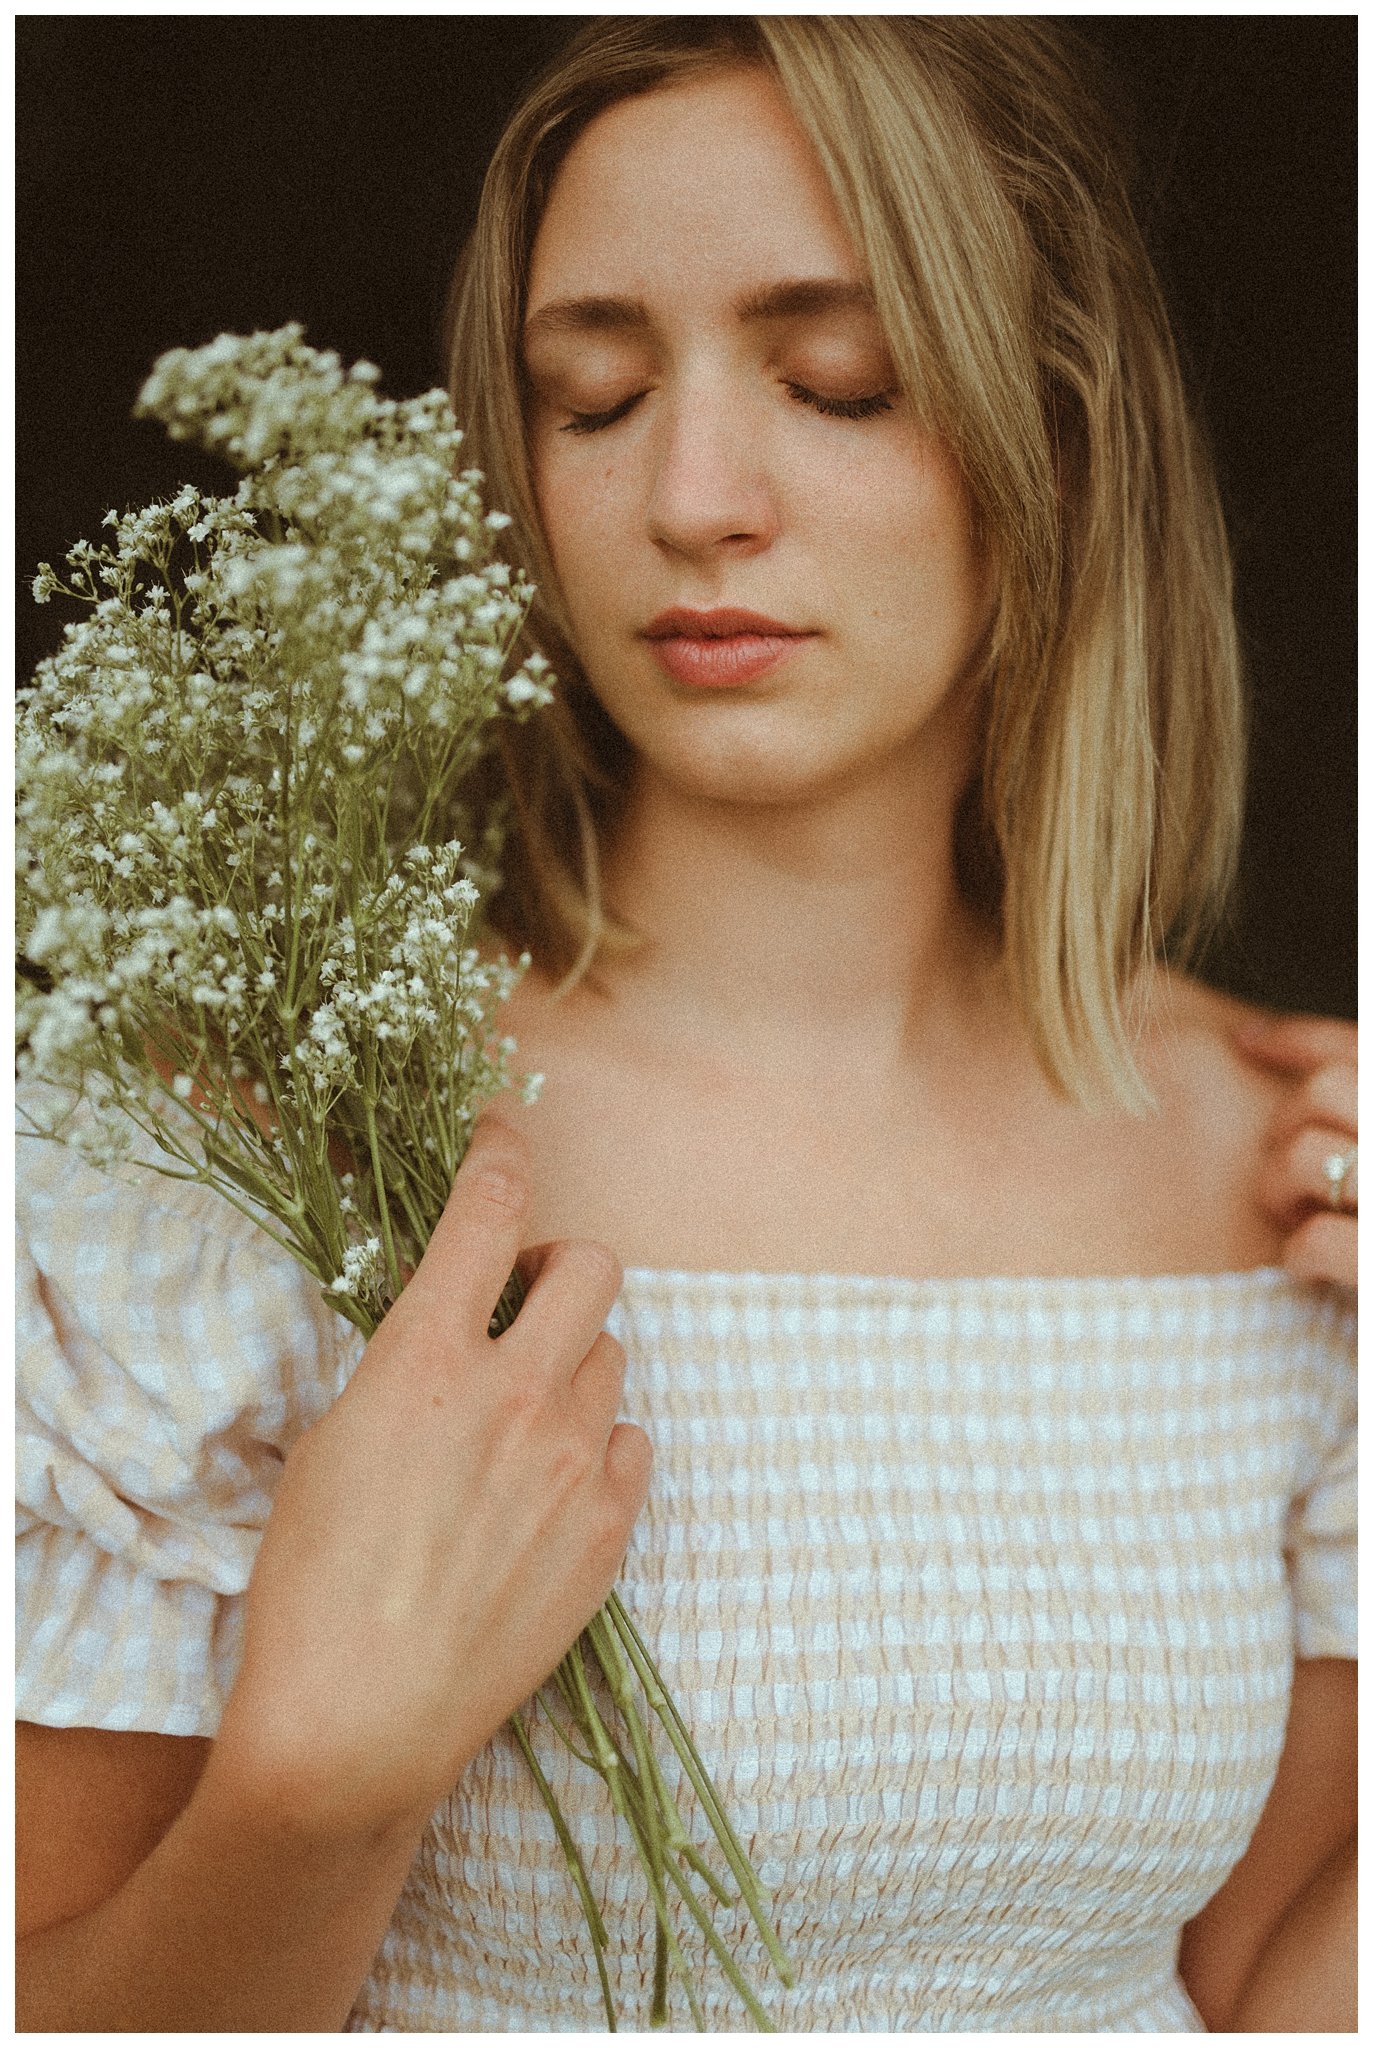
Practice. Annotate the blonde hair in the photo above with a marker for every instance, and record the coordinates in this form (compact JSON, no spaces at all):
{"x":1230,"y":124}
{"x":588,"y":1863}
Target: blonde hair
{"x":978,"y":179}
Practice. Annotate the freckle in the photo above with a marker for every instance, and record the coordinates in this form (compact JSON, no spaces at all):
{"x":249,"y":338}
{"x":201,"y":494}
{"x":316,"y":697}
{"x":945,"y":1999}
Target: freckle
{"x":438,"y":1400}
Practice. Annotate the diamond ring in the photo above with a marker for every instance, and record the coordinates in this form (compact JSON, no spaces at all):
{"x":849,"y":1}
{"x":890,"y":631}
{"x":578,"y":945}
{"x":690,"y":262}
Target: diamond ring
{"x":1338,"y":1167}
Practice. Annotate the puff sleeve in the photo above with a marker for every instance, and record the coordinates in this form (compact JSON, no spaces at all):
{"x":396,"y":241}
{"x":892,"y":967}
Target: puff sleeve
{"x":167,"y":1356}
{"x":1322,"y":1528}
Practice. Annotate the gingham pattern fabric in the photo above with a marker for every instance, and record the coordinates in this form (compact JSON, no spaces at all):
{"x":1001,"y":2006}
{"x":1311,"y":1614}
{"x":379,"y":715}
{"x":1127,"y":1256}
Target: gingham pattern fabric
{"x":979,"y":1596}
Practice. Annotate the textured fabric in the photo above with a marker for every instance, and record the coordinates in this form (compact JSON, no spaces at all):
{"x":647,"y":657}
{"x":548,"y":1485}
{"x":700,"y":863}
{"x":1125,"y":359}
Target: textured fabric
{"x":980,"y":1598}
{"x":168,"y":1354}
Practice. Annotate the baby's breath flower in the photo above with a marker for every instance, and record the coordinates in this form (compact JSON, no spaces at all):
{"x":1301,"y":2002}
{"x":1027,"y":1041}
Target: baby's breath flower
{"x":233,"y":781}
{"x":236,"y":786}
{"x":364,"y":1270}
{"x":525,"y":691}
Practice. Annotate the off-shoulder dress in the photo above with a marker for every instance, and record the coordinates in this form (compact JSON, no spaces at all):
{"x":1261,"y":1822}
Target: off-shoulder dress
{"x":980,"y":1596}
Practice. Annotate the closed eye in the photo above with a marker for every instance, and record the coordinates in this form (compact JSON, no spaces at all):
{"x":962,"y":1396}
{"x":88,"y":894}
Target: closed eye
{"x":866,"y":407}
{"x":592,"y":422}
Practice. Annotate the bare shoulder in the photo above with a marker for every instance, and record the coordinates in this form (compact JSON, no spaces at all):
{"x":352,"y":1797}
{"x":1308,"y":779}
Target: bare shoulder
{"x":1216,"y":1110}
{"x":1195,"y":1056}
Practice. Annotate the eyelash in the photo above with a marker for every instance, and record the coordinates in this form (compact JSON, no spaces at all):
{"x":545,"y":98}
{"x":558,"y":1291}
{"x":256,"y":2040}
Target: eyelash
{"x":833,"y":408}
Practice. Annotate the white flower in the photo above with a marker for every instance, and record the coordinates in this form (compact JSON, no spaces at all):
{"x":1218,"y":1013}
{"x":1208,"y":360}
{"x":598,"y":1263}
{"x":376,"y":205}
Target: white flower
{"x":523,"y":689}
{"x":364,"y":1269}
{"x":237,"y":782}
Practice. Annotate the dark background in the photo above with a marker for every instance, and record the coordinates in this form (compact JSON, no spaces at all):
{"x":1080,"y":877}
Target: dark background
{"x":179,"y":176}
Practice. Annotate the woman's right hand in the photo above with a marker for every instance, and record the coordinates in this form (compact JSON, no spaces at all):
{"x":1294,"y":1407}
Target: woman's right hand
{"x":444,"y":1533}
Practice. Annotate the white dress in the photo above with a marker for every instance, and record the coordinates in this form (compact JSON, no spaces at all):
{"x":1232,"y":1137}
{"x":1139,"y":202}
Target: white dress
{"x":980,"y":1597}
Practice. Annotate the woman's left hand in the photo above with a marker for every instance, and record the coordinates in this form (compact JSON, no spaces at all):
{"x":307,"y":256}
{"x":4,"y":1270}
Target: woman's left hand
{"x":1313,"y":1198}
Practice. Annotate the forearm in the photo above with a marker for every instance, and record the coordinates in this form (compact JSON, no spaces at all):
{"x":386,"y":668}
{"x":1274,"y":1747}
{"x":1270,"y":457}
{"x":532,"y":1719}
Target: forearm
{"x":234,"y":1923}
{"x":1305,"y":1978}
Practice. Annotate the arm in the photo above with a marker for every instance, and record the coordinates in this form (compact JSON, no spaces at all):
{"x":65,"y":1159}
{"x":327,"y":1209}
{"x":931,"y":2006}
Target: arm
{"x":1274,"y":1951}
{"x":217,"y":1917}
{"x":1277,"y":1940}
{"x":438,"y":1539}
{"x":1305,"y":1981}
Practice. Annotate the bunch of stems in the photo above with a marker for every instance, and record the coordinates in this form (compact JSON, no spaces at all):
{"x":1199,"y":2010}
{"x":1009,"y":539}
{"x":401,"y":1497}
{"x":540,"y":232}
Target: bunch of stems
{"x":642,"y":1797}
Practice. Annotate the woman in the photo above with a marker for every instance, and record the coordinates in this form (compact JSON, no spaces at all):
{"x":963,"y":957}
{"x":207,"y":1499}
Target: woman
{"x":900,"y":735}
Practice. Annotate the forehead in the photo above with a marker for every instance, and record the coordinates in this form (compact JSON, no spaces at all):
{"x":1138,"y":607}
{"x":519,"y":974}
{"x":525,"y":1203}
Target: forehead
{"x":708,"y":182}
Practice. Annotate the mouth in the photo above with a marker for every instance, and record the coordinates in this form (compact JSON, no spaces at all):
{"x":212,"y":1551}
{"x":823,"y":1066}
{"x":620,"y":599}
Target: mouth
{"x":721,"y":649}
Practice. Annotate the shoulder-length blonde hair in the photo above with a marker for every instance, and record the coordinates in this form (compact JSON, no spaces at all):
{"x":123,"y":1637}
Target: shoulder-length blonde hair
{"x":978,"y":179}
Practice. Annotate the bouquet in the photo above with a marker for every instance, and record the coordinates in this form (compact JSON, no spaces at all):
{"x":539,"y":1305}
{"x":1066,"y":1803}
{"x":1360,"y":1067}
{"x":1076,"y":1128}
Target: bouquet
{"x":248,"y":890}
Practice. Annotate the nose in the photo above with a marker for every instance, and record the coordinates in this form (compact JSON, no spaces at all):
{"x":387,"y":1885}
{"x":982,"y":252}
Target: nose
{"x":710,"y":492}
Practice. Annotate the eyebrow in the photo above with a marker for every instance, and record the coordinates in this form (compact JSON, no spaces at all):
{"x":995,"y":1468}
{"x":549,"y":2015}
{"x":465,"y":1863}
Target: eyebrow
{"x":790,"y":299}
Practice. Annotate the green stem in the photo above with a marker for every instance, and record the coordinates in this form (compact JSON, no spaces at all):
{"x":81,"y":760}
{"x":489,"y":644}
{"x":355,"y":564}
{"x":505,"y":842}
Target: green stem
{"x":575,"y":1865}
{"x":637,"y":1813}
{"x":676,"y":1840}
{"x":653,"y":1833}
{"x":584,"y":1757}
{"x":661,"y":1701}
{"x":722,"y":1954}
{"x":658,"y":2004}
{"x":379,"y":1185}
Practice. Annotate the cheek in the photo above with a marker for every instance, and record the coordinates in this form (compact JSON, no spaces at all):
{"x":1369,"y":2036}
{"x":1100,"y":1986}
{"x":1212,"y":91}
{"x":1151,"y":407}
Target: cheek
{"x":575,"y":504}
{"x":550,"y":503}
{"x":912,"y":527}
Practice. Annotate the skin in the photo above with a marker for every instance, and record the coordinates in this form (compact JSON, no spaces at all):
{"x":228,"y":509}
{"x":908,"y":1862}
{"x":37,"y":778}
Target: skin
{"x":817,"y":1035}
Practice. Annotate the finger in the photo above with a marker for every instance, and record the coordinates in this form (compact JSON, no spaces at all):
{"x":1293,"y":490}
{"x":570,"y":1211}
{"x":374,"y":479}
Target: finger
{"x":476,"y":1241}
{"x":572,"y":1293}
{"x":1328,"y":1098}
{"x":1324,"y":1247}
{"x":628,"y":1467}
{"x":1294,"y":1179}
{"x":598,"y":1386}
{"x":1296,"y":1042}
{"x":629,"y":1464}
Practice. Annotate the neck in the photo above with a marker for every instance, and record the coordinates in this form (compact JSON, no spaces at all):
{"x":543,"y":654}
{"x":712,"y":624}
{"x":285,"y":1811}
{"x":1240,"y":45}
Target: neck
{"x":776,"y":932}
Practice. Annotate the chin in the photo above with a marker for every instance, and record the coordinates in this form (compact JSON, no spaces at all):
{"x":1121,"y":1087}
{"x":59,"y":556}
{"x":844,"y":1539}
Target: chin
{"x":758,"y":775}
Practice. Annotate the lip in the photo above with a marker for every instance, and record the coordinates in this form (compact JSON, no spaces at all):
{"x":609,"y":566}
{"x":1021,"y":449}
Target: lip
{"x":719,"y":650}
